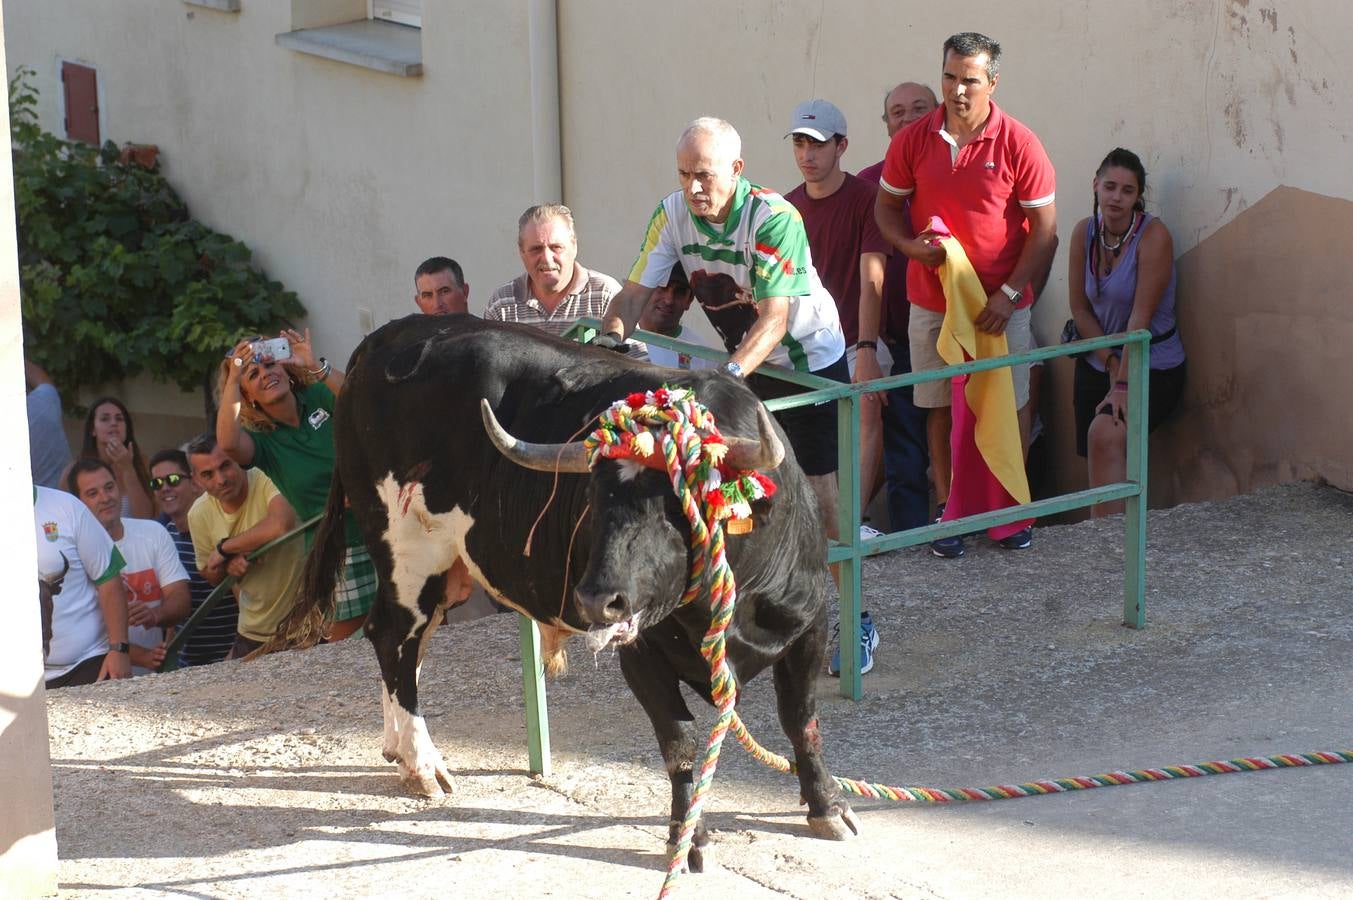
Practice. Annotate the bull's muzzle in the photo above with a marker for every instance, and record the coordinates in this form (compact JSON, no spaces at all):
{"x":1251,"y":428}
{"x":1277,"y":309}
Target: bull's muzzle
{"x":610,"y":617}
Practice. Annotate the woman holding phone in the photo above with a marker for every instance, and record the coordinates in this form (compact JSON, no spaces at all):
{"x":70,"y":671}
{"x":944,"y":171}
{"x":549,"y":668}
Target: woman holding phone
{"x":111,"y":438}
{"x":276,"y":413}
{"x":1122,"y":279}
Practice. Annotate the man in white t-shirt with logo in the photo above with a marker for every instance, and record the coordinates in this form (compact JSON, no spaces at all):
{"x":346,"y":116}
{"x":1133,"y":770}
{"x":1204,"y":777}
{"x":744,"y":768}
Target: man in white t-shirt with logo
{"x":663,"y":316}
{"x":156,"y":581}
{"x":89,"y":607}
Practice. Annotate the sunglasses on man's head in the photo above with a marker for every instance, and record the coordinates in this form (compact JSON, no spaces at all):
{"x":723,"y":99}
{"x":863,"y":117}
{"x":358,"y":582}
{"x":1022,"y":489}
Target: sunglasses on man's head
{"x":171,"y":480}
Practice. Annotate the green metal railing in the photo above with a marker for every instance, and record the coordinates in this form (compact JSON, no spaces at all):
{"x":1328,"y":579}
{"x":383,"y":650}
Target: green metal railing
{"x":851,"y":550}
{"x":185,"y":631}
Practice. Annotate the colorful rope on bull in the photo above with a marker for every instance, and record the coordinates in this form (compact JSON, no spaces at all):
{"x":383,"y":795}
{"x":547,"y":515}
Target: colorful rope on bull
{"x":692,"y":455}
{"x":876,"y":791}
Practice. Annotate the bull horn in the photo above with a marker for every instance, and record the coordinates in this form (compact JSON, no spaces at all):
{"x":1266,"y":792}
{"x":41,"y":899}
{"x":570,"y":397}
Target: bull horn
{"x":764,"y":454}
{"x":540,"y":457}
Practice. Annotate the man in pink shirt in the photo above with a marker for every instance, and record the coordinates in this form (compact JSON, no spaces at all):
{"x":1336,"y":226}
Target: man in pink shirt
{"x":988,"y":178}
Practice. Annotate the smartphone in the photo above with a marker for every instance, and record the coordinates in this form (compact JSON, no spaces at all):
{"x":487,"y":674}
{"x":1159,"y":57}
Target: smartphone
{"x":272,"y":350}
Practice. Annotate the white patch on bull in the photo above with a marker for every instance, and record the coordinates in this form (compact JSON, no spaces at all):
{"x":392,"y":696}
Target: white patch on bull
{"x":390,"y":744}
{"x":423,"y":544}
{"x":629,"y":469}
{"x":421,"y":766}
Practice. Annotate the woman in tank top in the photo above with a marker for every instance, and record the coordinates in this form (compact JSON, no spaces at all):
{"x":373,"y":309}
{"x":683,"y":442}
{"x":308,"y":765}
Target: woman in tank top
{"x":1122,"y":279}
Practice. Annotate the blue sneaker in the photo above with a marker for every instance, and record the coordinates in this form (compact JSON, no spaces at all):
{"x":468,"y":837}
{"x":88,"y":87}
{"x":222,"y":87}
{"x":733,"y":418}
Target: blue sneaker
{"x":869,"y":641}
{"x":949,"y":547}
{"x":1020,"y":540}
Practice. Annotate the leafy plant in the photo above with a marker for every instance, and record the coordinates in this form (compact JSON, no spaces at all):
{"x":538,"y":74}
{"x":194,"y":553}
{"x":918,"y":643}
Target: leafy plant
{"x":116,"y":279}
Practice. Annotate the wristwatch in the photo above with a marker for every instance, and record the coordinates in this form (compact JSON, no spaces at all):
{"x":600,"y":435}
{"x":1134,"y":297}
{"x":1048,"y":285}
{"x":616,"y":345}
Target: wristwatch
{"x":733,"y":369}
{"x":1014,"y":295}
{"x":123,"y":647}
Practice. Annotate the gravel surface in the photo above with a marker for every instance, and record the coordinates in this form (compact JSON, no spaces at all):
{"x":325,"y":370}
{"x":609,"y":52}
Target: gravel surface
{"x":265,"y":778}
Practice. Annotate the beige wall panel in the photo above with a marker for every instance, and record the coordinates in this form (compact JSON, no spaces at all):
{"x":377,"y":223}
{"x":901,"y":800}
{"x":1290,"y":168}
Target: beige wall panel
{"x":27,"y":829}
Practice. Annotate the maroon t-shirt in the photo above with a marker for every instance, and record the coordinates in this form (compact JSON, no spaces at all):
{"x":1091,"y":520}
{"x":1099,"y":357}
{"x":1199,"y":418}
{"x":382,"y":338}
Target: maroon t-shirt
{"x":840,"y":228}
{"x":896,"y":313}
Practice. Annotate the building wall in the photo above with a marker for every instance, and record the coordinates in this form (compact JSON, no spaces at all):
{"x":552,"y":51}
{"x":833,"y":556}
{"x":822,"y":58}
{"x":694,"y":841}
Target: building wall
{"x":1227,"y":102}
{"x":27,"y":830}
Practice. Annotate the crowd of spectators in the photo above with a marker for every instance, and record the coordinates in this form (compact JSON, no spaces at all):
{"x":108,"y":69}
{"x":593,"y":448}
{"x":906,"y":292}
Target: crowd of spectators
{"x":934,"y":254}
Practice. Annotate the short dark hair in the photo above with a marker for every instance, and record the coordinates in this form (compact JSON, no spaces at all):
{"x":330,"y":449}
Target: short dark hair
{"x":677,"y":279}
{"x":972,"y":43}
{"x":435,"y":264}
{"x":82,"y":465}
{"x":173,"y":455}
{"x":204,"y":443}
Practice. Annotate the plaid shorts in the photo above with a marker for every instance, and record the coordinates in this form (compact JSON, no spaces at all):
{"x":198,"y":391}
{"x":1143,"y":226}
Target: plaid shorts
{"x":357,"y":591}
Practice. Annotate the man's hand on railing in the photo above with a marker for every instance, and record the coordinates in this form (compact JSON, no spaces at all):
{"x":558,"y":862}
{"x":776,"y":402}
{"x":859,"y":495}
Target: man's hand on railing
{"x":610,"y":340}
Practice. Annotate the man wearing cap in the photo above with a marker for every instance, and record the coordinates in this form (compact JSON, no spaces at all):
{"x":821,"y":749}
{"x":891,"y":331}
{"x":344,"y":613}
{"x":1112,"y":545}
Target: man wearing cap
{"x":849,"y":253}
{"x":746,"y":254}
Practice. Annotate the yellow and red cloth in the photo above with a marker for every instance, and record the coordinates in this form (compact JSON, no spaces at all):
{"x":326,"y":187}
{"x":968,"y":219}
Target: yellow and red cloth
{"x":987,"y":453}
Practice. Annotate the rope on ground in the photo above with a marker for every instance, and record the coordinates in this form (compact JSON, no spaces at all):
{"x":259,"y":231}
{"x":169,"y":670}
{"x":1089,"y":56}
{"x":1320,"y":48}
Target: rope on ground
{"x":876,"y":791}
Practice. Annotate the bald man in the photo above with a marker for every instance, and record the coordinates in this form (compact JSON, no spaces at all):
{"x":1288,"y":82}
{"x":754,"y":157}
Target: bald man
{"x":745,"y":252}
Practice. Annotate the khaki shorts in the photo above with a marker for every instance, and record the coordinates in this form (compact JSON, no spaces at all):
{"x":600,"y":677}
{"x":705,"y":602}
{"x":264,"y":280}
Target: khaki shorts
{"x":923,"y":333}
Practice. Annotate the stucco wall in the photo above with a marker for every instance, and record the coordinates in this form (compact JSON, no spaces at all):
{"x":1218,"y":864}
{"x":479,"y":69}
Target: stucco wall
{"x":1226,"y":101}
{"x":27,"y":830}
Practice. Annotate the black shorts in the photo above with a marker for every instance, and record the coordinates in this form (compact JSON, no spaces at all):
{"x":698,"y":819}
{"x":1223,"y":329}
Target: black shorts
{"x":1092,"y":386}
{"x":87,"y":672}
{"x":811,"y":429}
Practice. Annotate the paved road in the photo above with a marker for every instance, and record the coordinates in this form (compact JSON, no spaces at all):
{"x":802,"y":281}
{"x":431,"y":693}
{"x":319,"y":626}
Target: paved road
{"x":245,"y":780}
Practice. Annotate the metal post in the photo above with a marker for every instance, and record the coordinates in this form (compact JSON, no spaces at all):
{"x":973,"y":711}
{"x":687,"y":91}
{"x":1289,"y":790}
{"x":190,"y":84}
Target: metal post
{"x":1134,"y":555}
{"x":533,"y":693}
{"x":848,"y":527}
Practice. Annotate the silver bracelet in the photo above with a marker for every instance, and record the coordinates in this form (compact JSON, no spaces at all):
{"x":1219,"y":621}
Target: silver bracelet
{"x":323,"y":371}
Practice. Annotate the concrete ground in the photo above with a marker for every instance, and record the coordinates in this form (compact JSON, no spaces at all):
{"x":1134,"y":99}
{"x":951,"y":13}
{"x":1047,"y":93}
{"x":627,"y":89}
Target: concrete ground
{"x":266,"y":778}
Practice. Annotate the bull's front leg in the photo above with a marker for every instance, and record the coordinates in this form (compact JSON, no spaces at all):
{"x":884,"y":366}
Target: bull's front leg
{"x":829,"y":815}
{"x":654,"y":682}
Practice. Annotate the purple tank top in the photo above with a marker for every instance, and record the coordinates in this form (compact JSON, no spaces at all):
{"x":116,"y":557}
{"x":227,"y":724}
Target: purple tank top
{"x":1111,"y":300}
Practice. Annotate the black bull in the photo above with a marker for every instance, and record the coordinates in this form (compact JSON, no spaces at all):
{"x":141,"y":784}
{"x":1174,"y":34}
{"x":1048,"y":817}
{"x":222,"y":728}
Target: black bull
{"x":439,"y":505}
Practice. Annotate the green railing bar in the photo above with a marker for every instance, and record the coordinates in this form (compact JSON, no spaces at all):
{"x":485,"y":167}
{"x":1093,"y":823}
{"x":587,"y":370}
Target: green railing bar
{"x":171,"y":652}
{"x":925,"y":534}
{"x":1134,"y":553}
{"x":836,"y":390}
{"x":533,"y":695}
{"x":848,"y":524}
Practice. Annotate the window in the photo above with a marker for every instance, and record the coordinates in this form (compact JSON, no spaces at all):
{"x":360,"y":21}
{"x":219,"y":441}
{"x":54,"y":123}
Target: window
{"x":405,"y":12}
{"x":80,"y":92}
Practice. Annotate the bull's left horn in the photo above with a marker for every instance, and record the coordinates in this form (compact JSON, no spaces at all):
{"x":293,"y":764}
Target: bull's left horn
{"x":541,"y":457}
{"x":763,"y":454}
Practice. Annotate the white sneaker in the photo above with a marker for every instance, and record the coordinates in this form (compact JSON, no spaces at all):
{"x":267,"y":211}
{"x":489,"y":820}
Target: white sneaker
{"x":868,"y":531}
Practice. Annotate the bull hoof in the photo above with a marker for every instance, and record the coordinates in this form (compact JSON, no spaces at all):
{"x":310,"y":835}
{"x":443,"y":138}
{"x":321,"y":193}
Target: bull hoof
{"x":430,"y":781}
{"x":840,"y":824}
{"x":697,"y":858}
{"x":390,"y":755}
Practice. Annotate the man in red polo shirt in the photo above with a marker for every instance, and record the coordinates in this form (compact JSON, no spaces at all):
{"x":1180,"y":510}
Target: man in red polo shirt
{"x":989,"y":179}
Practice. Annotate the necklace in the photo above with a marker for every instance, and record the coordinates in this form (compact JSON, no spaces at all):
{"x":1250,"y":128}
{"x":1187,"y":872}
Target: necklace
{"x":1117,"y":248}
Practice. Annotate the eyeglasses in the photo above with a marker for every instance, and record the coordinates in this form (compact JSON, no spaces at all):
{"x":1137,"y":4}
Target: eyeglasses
{"x":171,"y":480}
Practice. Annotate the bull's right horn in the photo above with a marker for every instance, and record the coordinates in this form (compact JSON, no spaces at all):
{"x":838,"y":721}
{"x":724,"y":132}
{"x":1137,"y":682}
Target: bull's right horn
{"x":570,"y":457}
{"x":764,"y":454}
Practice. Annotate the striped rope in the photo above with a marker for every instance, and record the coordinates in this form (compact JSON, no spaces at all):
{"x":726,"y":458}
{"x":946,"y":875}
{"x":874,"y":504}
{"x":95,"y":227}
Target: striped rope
{"x":672,"y":421}
{"x":875,"y":791}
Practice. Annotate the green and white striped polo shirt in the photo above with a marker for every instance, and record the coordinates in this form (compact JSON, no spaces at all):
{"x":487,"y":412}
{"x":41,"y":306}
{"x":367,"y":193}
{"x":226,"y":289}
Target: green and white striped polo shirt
{"x":760,"y":252}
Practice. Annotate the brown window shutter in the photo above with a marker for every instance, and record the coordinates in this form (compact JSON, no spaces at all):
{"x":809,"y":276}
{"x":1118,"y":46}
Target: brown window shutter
{"x":80,"y":84}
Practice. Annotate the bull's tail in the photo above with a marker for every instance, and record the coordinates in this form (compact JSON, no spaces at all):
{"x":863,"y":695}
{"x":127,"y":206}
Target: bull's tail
{"x":309,"y":619}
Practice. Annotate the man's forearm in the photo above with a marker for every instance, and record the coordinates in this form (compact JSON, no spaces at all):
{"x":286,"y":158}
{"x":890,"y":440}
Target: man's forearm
{"x":871,"y":294}
{"x":113,"y":606}
{"x":890,"y":212}
{"x":764,"y":335}
{"x":625,"y":308}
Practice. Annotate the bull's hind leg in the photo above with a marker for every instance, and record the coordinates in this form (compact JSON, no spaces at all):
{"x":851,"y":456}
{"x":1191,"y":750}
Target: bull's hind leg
{"x":654,"y":682}
{"x":829,"y":815}
{"x":400,"y":631}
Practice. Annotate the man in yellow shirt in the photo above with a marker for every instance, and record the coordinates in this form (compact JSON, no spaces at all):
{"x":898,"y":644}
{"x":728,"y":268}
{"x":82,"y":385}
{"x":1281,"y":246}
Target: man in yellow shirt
{"x":239,"y":512}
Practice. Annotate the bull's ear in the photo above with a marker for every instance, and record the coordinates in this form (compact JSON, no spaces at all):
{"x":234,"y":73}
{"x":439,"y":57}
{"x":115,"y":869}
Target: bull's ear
{"x":764,"y":454}
{"x":570,"y":457}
